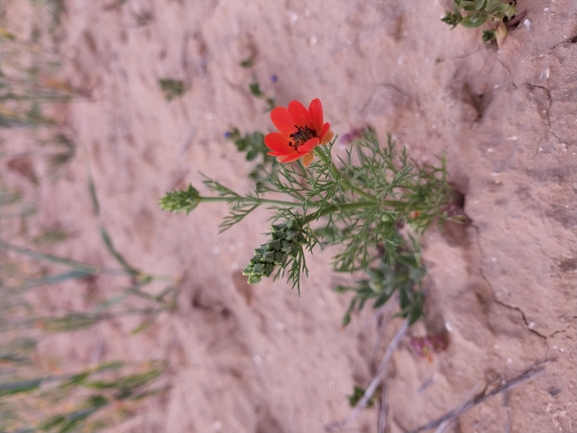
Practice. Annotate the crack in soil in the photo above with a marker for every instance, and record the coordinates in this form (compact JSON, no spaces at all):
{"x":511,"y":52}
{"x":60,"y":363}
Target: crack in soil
{"x":387,"y":85}
{"x":464,"y":56}
{"x":547,"y":112}
{"x":572,"y":40}
{"x":509,"y":71}
{"x":392,"y":86}
{"x":499,"y":302}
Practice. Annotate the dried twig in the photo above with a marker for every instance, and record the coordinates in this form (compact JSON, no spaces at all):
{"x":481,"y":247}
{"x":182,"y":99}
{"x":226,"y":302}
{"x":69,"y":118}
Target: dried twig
{"x":379,"y":315}
{"x":374,"y":383}
{"x":447,"y":423}
{"x":507,"y":411}
{"x":444,"y":425}
{"x":382,"y":421}
{"x":529,"y":374}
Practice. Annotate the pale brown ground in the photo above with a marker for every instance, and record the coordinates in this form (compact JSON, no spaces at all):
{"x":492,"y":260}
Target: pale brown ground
{"x":258,"y":358}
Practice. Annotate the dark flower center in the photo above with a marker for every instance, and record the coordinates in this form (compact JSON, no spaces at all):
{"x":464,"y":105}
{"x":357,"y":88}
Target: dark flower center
{"x":301,"y":136}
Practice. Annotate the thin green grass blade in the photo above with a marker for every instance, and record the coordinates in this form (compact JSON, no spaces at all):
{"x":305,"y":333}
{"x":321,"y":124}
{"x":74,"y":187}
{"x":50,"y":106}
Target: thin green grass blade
{"x":48,"y":257}
{"x":68,"y":323}
{"x":110,"y":365}
{"x":59,"y":260}
{"x":138,"y":380}
{"x":147,"y":323}
{"x":107,"y":303}
{"x":19,"y":387}
{"x":166,"y":291}
{"x":119,"y":258}
{"x":59,"y":278}
{"x":93,"y":197}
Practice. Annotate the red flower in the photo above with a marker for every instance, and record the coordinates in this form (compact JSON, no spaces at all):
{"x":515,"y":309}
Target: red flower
{"x":301,"y":130}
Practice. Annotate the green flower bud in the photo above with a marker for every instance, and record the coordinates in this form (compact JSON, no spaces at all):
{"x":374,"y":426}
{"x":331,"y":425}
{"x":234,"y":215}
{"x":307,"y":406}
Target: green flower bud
{"x":286,"y":241}
{"x":180,"y":201}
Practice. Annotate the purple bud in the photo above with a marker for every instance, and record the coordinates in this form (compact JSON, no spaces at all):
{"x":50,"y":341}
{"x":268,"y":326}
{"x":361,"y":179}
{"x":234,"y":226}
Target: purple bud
{"x":227,"y":134}
{"x":274,"y":78}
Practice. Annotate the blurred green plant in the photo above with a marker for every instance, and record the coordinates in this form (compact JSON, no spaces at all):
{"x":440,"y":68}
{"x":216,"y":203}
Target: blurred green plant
{"x":255,"y":90}
{"x":253,"y":145}
{"x":254,"y":87}
{"x":32,"y":397}
{"x":356,"y":396}
{"x":247,"y":63}
{"x":172,"y":88}
{"x":26,"y":83}
{"x":474,"y":13}
{"x":81,"y":402}
{"x":31,"y":400}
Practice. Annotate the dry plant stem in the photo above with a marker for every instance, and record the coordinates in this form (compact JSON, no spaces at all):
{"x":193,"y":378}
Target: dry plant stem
{"x":380,"y":330}
{"x":444,"y":425}
{"x":382,"y":421}
{"x":447,"y":423}
{"x":531,"y":373}
{"x":374,"y":383}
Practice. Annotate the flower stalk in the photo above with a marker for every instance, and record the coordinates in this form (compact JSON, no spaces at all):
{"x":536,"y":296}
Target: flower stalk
{"x":187,"y":200}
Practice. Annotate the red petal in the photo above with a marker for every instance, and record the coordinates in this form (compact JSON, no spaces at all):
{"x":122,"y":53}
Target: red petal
{"x":299,"y":114}
{"x":316,"y":113}
{"x":292,"y":157}
{"x":275,"y":153}
{"x":324,"y":131}
{"x":309,"y":145}
{"x":278,"y":142}
{"x":282,"y":120}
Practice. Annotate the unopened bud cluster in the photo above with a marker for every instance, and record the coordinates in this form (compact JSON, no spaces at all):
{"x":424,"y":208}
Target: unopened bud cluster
{"x":181,"y":200}
{"x":286,"y":242}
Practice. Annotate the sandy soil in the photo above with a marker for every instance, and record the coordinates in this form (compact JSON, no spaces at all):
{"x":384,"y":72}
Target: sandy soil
{"x":258,"y":358}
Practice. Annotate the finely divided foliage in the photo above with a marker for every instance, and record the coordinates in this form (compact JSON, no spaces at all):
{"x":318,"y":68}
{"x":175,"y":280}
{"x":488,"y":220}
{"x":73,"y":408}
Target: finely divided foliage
{"x":360,"y":202}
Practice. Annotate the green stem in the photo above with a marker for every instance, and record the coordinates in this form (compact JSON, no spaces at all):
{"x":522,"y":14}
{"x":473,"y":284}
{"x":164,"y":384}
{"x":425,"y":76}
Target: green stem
{"x":336,"y":174}
{"x":398,"y":205}
{"x":337,"y":208}
{"x":257,"y":201}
